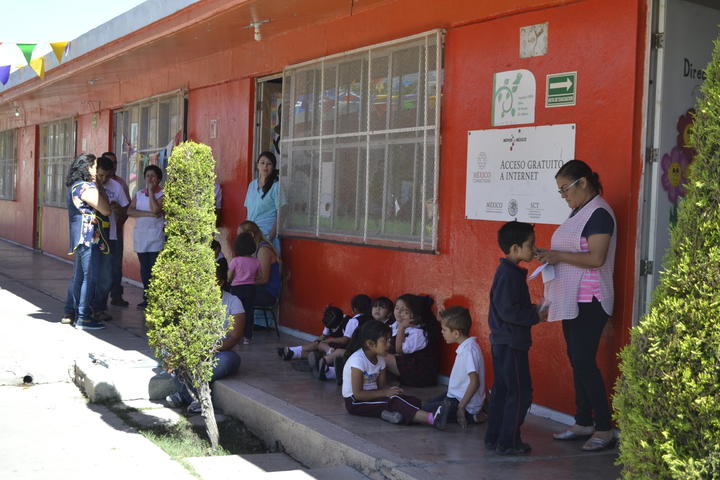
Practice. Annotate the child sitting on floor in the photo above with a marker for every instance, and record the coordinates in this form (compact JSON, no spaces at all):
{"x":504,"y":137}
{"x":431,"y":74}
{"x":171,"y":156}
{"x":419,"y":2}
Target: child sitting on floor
{"x":333,"y":324}
{"x":382,"y":308}
{"x":365,"y":387}
{"x":321,"y":364}
{"x":466,"y":389}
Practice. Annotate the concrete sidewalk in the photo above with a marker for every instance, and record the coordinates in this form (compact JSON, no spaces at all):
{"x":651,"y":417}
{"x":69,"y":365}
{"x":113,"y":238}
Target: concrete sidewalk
{"x":277,"y":401}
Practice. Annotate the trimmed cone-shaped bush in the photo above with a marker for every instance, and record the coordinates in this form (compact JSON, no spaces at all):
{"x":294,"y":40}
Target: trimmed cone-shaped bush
{"x":185,"y":315}
{"x":668,"y":395}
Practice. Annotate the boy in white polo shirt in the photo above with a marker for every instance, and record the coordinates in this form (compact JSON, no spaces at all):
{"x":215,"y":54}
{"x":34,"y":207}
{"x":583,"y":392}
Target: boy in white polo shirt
{"x":466,"y":389}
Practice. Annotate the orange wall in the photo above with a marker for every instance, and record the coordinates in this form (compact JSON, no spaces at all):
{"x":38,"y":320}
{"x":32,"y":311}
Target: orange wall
{"x":17,"y":217}
{"x":231,"y":105}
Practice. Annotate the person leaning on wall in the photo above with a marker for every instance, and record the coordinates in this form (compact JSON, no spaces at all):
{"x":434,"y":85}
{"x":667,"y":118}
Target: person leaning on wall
{"x":581,"y":295}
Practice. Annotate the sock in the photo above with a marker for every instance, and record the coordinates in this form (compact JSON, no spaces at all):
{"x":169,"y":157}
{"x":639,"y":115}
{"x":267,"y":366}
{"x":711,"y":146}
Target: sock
{"x":296,"y":351}
{"x":330,"y":373}
{"x":431,"y":418}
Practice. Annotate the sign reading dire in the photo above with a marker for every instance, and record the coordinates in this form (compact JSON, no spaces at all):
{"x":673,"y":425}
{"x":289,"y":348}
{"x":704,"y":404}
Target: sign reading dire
{"x":511,"y":173}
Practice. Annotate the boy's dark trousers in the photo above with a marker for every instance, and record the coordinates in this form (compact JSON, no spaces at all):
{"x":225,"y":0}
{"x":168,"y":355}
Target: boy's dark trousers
{"x":510,"y":398}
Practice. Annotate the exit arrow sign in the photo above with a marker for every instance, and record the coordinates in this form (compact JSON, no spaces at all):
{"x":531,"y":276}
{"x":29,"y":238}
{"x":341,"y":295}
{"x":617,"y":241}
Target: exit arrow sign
{"x":561,"y":89}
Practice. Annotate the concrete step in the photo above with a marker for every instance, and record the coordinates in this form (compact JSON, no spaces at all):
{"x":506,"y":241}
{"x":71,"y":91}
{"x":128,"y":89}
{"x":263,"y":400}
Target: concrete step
{"x":320,"y":443}
{"x":273,"y":466}
{"x":131,"y":376}
{"x":330,"y":473}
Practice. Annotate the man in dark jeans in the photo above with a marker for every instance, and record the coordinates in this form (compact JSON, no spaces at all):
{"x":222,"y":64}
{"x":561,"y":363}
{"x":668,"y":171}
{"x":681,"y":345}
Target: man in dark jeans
{"x":116,"y":243}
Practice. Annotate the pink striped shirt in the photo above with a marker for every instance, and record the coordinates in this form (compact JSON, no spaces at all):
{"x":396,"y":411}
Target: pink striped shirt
{"x":590,"y":281}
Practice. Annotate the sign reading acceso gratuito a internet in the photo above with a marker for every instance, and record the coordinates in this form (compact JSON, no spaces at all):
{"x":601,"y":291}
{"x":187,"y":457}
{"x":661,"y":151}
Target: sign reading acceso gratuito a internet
{"x":511,"y":173}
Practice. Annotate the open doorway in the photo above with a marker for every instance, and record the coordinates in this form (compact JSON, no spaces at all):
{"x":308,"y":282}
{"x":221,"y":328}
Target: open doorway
{"x":683,"y":44}
{"x":268,"y":95}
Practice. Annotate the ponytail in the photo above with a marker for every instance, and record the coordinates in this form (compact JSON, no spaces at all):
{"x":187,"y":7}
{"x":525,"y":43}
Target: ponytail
{"x":576,"y":169}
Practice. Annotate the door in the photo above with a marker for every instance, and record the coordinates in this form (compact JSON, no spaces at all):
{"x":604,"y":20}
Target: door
{"x":682,"y":41}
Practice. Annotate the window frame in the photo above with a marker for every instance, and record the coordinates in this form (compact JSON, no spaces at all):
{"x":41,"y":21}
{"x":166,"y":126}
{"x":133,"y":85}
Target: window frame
{"x":54,"y":165}
{"x":139,"y":142}
{"x":8,"y":164}
{"x":427,"y":138}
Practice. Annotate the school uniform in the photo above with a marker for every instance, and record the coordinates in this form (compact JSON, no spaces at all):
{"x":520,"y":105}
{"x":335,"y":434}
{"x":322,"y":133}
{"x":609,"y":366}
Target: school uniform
{"x":468,"y":359}
{"x":405,"y":404}
{"x":419,"y":368}
{"x":510,"y":317}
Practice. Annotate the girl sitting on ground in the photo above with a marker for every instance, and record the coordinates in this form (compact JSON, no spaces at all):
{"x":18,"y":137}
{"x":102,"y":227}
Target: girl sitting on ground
{"x":365,"y":387}
{"x":333,"y":324}
{"x":244,"y":270}
{"x":382,"y":308}
{"x":416,"y":357}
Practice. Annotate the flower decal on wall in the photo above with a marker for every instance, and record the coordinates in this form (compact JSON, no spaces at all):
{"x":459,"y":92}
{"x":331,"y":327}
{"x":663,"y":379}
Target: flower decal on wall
{"x":674,"y":176}
{"x":684,"y":128}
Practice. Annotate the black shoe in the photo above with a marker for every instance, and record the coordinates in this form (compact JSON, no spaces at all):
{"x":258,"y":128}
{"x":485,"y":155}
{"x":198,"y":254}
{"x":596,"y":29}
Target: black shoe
{"x":339,"y":364}
{"x":491,"y":446}
{"x":285,"y":353}
{"x":119,"y":302}
{"x":519,"y":449}
{"x":441,"y":415}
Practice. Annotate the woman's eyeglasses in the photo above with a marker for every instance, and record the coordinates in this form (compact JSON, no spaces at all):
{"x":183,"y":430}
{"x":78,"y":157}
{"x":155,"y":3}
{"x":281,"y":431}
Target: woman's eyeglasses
{"x":563,"y":190}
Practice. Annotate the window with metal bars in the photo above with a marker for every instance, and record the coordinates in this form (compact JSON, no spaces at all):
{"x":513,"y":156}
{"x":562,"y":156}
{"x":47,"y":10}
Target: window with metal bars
{"x":144,"y":133}
{"x":359,"y":145}
{"x":57,"y":151}
{"x":8,"y":165}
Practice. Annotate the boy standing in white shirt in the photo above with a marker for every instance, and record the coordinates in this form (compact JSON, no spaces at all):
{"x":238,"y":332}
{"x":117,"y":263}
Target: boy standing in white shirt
{"x":466,"y":389}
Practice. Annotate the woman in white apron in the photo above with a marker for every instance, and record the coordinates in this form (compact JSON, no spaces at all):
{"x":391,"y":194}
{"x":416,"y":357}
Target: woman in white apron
{"x":148,"y":236}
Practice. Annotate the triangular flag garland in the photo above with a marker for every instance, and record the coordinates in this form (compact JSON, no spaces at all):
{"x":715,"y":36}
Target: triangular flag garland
{"x":4,"y":74}
{"x":60,"y":49}
{"x":27,"y":49}
{"x":38,"y":64}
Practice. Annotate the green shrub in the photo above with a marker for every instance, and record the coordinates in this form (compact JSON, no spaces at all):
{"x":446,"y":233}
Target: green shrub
{"x":185,"y":314}
{"x":668,"y":395}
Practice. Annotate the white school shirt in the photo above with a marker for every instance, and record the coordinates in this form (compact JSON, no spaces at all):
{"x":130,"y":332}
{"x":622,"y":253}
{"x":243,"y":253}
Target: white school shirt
{"x":415,"y":339}
{"x":115,"y":193}
{"x":149,"y":234}
{"x":233,"y":306}
{"x":351,"y":325}
{"x":371,"y":372}
{"x":468,"y":359}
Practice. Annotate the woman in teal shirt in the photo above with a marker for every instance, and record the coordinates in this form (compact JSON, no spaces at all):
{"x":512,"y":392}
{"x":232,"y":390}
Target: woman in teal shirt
{"x":263,"y":199}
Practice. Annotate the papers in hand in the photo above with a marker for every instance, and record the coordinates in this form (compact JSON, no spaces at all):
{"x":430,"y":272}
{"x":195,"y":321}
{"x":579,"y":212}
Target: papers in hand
{"x":548,"y":272}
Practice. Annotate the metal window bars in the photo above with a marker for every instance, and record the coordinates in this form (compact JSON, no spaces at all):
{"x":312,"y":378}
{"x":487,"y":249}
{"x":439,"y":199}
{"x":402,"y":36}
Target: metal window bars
{"x":360,"y":144}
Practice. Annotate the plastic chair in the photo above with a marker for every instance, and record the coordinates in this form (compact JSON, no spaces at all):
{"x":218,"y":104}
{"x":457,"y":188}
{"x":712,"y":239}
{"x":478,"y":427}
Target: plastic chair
{"x":269,"y":309}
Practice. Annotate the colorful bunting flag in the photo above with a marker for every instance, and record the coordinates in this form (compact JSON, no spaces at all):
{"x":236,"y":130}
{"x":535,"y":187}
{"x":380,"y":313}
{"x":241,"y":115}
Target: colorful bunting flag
{"x":27,"y":49}
{"x":59,"y":49}
{"x":4,"y":73}
{"x":38,"y":64}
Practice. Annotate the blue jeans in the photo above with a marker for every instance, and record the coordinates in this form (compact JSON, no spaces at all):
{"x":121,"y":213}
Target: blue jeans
{"x":116,"y":250}
{"x":103,"y":282}
{"x":80,"y":290}
{"x":147,"y":260}
{"x":228,"y":363}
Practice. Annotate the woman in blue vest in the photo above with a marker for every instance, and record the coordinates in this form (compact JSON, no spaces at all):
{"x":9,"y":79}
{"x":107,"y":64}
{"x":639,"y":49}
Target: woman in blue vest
{"x":264,"y":199}
{"x":86,"y":205}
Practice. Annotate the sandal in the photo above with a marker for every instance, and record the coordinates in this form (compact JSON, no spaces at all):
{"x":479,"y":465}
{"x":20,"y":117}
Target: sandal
{"x":595,"y":444}
{"x":574,"y":433}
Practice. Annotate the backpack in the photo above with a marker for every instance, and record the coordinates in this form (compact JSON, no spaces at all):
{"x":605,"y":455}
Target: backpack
{"x":333,"y":318}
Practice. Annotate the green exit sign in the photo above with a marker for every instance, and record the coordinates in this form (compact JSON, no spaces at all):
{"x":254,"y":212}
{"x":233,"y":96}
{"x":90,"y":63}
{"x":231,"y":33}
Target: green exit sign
{"x":561,"y":89}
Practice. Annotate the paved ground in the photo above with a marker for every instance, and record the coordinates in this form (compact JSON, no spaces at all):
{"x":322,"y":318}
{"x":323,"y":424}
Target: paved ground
{"x":49,"y":431}
{"x":36,"y":440}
